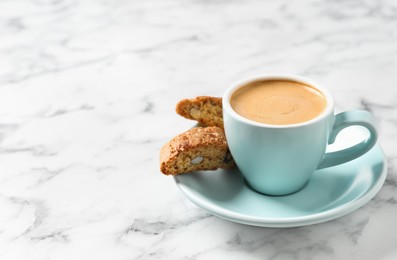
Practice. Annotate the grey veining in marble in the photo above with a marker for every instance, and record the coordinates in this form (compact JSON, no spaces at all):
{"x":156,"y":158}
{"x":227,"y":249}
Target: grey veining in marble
{"x":87,"y":96}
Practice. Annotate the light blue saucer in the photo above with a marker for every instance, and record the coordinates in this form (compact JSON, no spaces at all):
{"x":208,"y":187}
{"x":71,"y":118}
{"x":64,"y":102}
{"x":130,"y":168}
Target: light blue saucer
{"x":330,"y":193}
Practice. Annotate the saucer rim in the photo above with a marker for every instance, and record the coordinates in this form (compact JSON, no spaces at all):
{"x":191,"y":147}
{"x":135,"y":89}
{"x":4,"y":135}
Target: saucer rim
{"x":309,"y":219}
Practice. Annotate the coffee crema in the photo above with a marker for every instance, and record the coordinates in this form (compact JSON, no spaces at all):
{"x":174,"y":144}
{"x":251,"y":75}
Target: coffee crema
{"x":278,"y":102}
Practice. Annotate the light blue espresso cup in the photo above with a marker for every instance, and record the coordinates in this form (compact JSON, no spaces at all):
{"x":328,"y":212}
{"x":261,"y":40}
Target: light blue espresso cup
{"x":280,"y":159}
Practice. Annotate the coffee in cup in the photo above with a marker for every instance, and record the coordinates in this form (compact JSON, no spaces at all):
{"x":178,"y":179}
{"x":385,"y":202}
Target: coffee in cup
{"x":278,"y":102}
{"x":279,"y":126}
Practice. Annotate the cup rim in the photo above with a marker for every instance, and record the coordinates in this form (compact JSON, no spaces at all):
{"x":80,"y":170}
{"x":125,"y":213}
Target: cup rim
{"x":229,"y":92}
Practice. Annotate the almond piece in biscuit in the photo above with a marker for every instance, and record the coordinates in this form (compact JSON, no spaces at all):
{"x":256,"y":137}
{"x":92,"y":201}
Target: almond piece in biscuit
{"x":206,"y":110}
{"x":198,"y":149}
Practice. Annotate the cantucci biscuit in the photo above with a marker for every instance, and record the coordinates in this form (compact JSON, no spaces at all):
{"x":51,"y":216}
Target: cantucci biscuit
{"x":200,"y":148}
{"x":205,"y":110}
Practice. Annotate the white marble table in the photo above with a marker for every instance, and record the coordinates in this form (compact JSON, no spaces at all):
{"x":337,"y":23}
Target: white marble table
{"x":87,"y":96}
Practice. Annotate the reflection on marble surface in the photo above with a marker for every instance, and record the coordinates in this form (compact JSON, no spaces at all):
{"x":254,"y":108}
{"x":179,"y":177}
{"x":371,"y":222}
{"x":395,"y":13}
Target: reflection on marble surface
{"x":87,"y":95}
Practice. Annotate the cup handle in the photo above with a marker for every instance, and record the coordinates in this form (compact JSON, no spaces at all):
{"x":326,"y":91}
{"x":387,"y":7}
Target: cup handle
{"x":343,"y":120}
